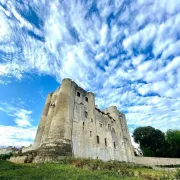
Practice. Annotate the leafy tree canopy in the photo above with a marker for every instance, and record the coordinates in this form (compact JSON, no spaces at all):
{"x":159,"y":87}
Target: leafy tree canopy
{"x":152,"y":141}
{"x":173,"y":142}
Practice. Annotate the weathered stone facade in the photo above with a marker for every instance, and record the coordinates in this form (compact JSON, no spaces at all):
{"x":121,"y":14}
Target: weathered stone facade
{"x":71,"y":124}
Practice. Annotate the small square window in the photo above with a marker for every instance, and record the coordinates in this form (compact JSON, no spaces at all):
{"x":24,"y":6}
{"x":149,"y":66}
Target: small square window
{"x":78,"y":94}
{"x":86,"y":99}
{"x":86,"y":114}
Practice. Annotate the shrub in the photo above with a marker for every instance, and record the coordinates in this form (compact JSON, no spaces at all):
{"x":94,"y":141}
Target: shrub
{"x":6,"y":156}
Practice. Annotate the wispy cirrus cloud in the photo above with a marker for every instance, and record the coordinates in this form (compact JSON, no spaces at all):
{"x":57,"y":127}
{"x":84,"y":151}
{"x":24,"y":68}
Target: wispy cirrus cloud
{"x":22,"y":117}
{"x":126,"y":52}
{"x":23,"y":132}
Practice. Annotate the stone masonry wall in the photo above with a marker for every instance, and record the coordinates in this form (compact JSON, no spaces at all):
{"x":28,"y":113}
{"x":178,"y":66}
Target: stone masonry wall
{"x":156,"y":161}
{"x":72,"y":123}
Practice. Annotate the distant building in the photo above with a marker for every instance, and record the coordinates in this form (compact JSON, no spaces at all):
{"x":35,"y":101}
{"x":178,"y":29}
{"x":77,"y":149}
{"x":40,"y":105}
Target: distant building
{"x":71,"y":125}
{"x":138,"y":152}
{"x":9,"y":149}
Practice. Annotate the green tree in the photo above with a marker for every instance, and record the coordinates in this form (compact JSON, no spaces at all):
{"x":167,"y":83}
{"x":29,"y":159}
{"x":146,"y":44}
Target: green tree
{"x":173,"y":141}
{"x":152,"y":141}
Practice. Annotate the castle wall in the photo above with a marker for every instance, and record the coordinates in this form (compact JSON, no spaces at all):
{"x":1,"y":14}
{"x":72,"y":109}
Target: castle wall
{"x":71,"y":124}
{"x":61,"y":123}
{"x":42,"y":123}
{"x":98,"y":124}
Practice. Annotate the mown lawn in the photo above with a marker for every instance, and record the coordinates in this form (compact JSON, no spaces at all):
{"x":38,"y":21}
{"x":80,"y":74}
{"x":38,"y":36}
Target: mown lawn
{"x":12,"y":171}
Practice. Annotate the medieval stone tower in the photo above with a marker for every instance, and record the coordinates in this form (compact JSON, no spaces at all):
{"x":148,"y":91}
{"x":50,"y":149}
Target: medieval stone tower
{"x":71,"y":124}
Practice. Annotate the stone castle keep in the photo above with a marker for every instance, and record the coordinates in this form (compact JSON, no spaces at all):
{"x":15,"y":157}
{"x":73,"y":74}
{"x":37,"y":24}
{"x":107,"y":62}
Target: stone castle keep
{"x":71,"y":125}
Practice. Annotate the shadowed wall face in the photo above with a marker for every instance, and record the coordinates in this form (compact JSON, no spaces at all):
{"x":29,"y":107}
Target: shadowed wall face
{"x":42,"y":123}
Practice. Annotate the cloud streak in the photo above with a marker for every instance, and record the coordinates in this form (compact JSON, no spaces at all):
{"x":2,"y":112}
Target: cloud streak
{"x":21,"y":116}
{"x":125,"y":52}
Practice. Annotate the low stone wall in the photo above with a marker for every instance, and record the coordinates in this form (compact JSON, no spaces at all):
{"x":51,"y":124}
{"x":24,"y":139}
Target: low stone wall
{"x":26,"y":149}
{"x":18,"y":159}
{"x":156,"y":161}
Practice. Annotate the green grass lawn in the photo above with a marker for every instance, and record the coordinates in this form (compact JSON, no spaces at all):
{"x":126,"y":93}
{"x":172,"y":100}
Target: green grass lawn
{"x":52,"y":171}
{"x":10,"y":171}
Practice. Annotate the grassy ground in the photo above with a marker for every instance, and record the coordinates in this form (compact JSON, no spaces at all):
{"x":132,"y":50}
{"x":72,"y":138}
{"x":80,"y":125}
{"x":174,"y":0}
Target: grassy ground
{"x":9,"y":171}
{"x":52,"y":171}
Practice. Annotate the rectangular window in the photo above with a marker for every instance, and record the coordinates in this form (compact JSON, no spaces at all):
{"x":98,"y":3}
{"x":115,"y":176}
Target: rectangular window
{"x":86,"y":114}
{"x":78,"y":94}
{"x":114,"y":145}
{"x":98,"y":139}
{"x":105,"y":142}
{"x":86,"y":99}
{"x":109,"y":126}
{"x":83,"y":124}
{"x":100,"y":124}
{"x":91,"y":120}
{"x":90,"y":133}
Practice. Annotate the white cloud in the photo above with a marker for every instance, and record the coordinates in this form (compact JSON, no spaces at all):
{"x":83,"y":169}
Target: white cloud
{"x":122,"y":59}
{"x":21,"y":116}
{"x":16,"y":136}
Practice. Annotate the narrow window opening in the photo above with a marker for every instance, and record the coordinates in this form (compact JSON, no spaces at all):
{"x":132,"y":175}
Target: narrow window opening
{"x":78,"y":94}
{"x":90,"y":133}
{"x":114,"y":145}
{"x":109,"y":126}
{"x":98,"y":139}
{"x":86,"y":114}
{"x":105,"y":142}
{"x":83,"y":124}
{"x":100,"y":125}
{"x":86,"y":99}
{"x":91,"y":120}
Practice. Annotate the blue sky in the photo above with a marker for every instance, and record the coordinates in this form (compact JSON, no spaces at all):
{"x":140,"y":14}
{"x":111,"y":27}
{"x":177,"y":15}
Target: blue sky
{"x":126,"y":52}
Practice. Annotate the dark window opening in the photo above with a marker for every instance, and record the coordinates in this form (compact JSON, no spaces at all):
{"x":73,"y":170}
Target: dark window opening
{"x":98,"y":139}
{"x":109,"y":126}
{"x":105,"y":142}
{"x":83,"y":124}
{"x":114,"y":145}
{"x":78,"y":94}
{"x":90,"y":133}
{"x":86,"y":114}
{"x":100,"y":125}
{"x":91,"y":120}
{"x":86,"y":99}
